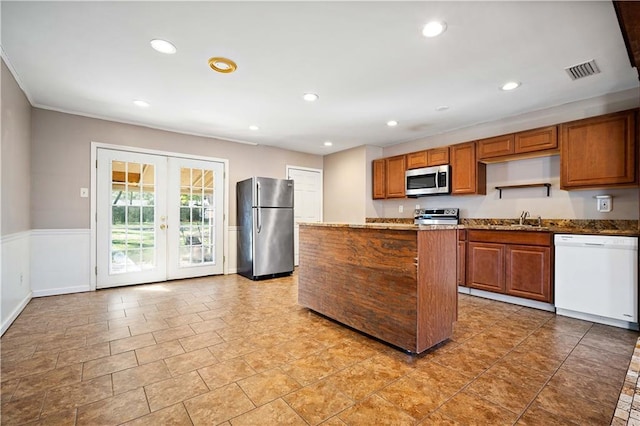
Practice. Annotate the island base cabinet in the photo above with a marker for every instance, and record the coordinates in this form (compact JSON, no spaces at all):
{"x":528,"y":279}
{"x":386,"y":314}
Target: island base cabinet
{"x":396,"y":285}
{"x":528,"y":272}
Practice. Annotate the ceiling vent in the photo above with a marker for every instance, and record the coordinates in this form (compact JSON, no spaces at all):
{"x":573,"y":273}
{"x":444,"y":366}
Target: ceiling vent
{"x":583,"y":70}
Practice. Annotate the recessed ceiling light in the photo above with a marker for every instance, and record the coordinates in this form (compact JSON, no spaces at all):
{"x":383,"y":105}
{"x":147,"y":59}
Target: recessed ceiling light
{"x":141,"y":103}
{"x":328,"y":143}
{"x":223,"y":65}
{"x":442,"y":107}
{"x":310,"y":97}
{"x":510,"y":85}
{"x":163,"y":46}
{"x":392,"y":123}
{"x":254,"y":127}
{"x":434,"y":28}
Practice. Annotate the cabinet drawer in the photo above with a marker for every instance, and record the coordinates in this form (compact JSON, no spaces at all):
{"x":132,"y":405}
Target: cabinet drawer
{"x":532,"y":238}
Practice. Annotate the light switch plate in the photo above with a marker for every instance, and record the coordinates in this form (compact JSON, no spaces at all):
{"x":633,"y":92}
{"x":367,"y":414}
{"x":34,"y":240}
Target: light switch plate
{"x":84,"y":192}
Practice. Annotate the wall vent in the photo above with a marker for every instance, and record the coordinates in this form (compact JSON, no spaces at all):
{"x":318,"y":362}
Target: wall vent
{"x":583,"y":70}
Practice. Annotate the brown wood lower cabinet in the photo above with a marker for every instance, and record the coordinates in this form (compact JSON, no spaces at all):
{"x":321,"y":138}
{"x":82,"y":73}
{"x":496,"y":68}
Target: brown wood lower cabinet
{"x":462,"y":258}
{"x":528,"y":272}
{"x":517,"y":263}
{"x":486,"y":270}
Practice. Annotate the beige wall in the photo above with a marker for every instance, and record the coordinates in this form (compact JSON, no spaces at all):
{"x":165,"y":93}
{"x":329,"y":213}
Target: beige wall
{"x":15,"y":128}
{"x":61,"y":145}
{"x":561,"y":204}
{"x":15,"y":156}
{"x":345,"y":186}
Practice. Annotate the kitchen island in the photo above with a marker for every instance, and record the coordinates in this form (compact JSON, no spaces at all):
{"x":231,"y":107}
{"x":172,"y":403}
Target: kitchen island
{"x":394,"y":282}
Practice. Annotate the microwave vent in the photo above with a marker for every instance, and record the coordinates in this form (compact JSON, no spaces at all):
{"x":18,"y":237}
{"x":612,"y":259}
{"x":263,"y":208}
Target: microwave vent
{"x":583,"y":70}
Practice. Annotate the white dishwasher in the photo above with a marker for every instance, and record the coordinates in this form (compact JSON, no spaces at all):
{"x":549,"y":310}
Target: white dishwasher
{"x":596,"y":278}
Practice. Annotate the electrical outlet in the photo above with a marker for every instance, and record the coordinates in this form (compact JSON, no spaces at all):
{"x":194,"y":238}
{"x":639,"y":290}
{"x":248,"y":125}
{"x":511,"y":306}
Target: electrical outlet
{"x":417,"y":206}
{"x":400,"y":208}
{"x":604,"y":204}
{"x":84,"y":192}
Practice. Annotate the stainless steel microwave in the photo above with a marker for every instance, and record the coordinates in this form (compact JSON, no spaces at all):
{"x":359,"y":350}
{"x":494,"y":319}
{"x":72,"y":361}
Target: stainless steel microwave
{"x":428,"y":181}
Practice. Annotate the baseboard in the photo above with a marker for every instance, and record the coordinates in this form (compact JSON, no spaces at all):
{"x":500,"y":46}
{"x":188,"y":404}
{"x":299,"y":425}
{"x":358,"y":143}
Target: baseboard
{"x":511,"y":299}
{"x":61,"y":290}
{"x":17,"y":311}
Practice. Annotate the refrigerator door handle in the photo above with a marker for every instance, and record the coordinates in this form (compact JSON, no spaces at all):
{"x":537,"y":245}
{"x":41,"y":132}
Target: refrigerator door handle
{"x":259,"y":220}
{"x":259,"y":212}
{"x":258,"y":194}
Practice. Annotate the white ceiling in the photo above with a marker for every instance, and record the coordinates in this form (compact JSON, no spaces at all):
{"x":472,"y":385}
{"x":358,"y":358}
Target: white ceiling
{"x":368,"y":62}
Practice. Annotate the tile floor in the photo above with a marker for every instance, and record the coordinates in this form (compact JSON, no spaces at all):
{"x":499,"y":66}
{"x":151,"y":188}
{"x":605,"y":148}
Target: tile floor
{"x":226,"y":350}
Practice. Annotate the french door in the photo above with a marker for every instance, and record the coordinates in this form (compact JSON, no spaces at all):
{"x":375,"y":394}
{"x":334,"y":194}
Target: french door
{"x":158,"y":218}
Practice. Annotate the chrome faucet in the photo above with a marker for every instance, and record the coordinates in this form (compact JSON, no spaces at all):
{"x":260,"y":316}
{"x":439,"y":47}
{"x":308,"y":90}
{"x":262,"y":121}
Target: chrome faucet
{"x":523,"y":216}
{"x":539,"y":222}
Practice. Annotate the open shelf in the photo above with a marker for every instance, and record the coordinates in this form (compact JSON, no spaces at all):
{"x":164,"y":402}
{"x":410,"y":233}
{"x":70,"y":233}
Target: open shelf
{"x":528,"y":185}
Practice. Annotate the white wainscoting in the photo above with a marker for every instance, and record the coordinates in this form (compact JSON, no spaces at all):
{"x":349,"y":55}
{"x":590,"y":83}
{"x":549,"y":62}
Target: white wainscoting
{"x":16,"y":288}
{"x":232,"y":257}
{"x":60,"y":261}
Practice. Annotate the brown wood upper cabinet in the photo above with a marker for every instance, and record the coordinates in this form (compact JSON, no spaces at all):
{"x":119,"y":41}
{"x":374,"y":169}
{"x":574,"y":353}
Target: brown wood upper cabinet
{"x":531,"y":143}
{"x":495,"y":147}
{"x":468,"y":176}
{"x":599,"y":152}
{"x":394,"y":182}
{"x":428,"y":158}
{"x":415,"y":160}
{"x":517,"y":263}
{"x":379,"y":179}
{"x":388,"y":177}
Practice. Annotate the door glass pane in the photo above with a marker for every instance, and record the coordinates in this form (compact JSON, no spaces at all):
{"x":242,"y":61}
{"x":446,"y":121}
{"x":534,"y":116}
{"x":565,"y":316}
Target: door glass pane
{"x":196,"y":217}
{"x":132,"y":217}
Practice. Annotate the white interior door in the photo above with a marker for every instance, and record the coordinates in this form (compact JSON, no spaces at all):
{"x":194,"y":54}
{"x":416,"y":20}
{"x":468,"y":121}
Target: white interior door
{"x":195,"y":218}
{"x":131,"y":218}
{"x":158,"y":218}
{"x":307,"y":199}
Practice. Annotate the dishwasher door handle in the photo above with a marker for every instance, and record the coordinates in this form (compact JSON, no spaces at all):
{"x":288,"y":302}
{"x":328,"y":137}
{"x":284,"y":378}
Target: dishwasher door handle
{"x":594,"y":244}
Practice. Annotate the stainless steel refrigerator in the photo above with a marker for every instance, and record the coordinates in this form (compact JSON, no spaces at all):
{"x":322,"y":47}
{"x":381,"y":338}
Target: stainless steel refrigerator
{"x":264,"y":216}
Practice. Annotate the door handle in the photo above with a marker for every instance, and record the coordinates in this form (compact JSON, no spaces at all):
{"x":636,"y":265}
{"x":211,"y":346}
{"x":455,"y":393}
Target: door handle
{"x":163,"y":226}
{"x":259,"y":220}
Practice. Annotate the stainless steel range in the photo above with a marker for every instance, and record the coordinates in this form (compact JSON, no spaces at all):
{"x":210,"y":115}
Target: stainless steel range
{"x":436,"y":216}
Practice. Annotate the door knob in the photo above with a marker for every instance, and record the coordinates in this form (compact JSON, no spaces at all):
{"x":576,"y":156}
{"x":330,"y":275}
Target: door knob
{"x":163,"y":226}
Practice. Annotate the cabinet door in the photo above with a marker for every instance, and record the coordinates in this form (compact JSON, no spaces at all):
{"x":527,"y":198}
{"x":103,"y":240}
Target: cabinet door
{"x":395,"y":184}
{"x":537,"y":140}
{"x":462,"y":263}
{"x":438,"y":156}
{"x":379,"y":179}
{"x":486,"y":267}
{"x":598,"y":152}
{"x":467,"y":175}
{"x":528,"y":272}
{"x":495,"y":147}
{"x":416,"y":160}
